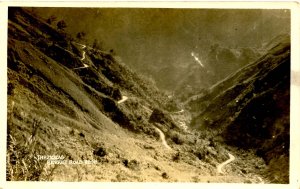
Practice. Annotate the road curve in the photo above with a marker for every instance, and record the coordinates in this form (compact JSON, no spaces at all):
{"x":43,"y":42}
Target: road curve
{"x":220,"y":166}
{"x":83,"y":56}
{"x":181,"y":111}
{"x":84,"y":66}
{"x":162,"y":137}
{"x":83,"y":46}
{"x":124,"y":98}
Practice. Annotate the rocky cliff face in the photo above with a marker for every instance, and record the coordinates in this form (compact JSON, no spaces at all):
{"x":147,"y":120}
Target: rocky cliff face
{"x":250,"y":108}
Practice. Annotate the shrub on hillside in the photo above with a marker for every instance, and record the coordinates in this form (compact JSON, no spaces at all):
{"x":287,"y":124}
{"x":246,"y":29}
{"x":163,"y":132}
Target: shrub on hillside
{"x":61,"y":25}
{"x":81,"y":35}
{"x":176,"y":137}
{"x":161,"y":117}
{"x":10,"y":89}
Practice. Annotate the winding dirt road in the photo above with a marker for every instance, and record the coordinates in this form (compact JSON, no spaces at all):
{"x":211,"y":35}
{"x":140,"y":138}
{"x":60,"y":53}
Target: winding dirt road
{"x":83,"y":57}
{"x":181,"y":111}
{"x":220,"y":166}
{"x":84,"y":66}
{"x":124,"y":98}
{"x":162,"y":137}
{"x":161,"y":134}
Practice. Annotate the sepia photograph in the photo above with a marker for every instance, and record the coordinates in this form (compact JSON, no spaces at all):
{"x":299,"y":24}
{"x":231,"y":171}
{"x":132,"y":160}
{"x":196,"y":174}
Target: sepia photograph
{"x":147,"y":94}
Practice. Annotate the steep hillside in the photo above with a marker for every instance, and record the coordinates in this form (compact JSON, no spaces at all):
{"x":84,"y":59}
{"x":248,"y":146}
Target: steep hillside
{"x":250,"y":108}
{"x":104,"y":80}
{"x":218,"y":63}
{"x":59,"y":90}
{"x":77,"y":113}
{"x":162,"y":47}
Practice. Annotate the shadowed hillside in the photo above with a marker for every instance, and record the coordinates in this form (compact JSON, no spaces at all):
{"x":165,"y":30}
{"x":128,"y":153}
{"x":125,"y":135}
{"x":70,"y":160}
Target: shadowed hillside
{"x":250,"y":108}
{"x":78,"y":113}
{"x":159,"y":42}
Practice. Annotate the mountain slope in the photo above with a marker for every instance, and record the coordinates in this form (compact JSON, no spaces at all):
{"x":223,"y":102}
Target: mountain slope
{"x":56,"y":108}
{"x":76,"y":113}
{"x":157,"y":46}
{"x":250,"y":108}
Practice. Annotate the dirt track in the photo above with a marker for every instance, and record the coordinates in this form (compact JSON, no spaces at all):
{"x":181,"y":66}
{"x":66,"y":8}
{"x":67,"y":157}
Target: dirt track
{"x":219,"y":167}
